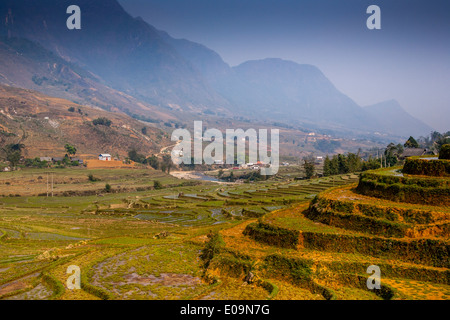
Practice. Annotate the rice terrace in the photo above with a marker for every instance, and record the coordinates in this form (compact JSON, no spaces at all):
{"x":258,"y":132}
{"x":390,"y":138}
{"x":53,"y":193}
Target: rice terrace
{"x":297,"y":154}
{"x":273,"y":239}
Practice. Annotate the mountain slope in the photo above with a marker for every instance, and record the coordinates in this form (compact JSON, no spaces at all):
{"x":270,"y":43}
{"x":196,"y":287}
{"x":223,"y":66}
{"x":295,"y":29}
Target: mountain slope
{"x":44,"y":125}
{"x":116,"y":61}
{"x":127,"y":53}
{"x":394,"y":119}
{"x":28,"y":65}
{"x":289,"y":91}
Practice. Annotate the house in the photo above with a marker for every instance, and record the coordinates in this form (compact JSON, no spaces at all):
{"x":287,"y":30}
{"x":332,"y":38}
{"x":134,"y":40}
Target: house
{"x":414,"y":152}
{"x":104,"y":157}
{"x":57,"y":159}
{"x":48,"y":159}
{"x":80,"y":161}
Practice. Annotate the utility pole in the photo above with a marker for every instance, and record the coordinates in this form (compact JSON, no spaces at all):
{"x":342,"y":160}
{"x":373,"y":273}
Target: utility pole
{"x":52,"y":184}
{"x":47,"y":184}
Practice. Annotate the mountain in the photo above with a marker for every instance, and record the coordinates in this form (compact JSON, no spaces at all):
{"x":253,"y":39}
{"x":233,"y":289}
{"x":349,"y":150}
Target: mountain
{"x":45,"y":124}
{"x":27,"y":64}
{"x":205,"y":61}
{"x":394,"y":119}
{"x":285,"y":90}
{"x":127,"y":53}
{"x":121,"y":63}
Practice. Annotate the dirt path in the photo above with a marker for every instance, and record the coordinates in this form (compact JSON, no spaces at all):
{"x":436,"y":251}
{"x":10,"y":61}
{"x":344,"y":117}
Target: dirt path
{"x":196,"y":175}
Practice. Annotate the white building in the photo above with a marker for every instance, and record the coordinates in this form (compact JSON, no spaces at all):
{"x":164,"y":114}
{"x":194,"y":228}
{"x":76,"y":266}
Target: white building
{"x":104,"y":157}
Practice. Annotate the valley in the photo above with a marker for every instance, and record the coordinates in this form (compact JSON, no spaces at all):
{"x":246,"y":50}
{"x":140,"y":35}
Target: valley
{"x":141,"y":243}
{"x":348,"y":201}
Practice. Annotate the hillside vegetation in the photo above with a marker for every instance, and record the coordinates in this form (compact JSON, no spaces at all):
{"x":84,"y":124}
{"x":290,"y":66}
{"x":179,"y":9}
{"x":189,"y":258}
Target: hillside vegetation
{"x":46,"y":124}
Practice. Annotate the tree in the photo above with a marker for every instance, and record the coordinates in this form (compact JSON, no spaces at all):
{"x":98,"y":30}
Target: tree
{"x":71,"y":150}
{"x":391,"y":154}
{"x":309,"y":166}
{"x":13,"y":153}
{"x":442,"y":141}
{"x":370,"y":164}
{"x":144,"y":131}
{"x":334,"y":165}
{"x":343,"y":166}
{"x":153,"y":162}
{"x":167,"y":163}
{"x":135,"y":156}
{"x":435,"y":136}
{"x":444,"y":153}
{"x":411,"y":143}
{"x":327,"y":167}
{"x":353,"y":162}
{"x":102,"y":121}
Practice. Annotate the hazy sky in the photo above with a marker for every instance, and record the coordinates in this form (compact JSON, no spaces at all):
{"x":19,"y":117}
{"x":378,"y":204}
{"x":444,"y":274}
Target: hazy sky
{"x":407,"y":60}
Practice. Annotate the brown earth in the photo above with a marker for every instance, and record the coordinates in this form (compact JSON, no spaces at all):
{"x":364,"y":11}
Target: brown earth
{"x":45,"y":125}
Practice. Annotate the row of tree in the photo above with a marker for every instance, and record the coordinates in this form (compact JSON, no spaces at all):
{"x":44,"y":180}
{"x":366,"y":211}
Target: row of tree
{"x":165,"y":164}
{"x":435,"y":141}
{"x":342,"y":164}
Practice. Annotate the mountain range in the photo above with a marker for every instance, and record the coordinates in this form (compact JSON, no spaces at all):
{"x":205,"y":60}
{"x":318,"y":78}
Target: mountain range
{"x":121,"y":63}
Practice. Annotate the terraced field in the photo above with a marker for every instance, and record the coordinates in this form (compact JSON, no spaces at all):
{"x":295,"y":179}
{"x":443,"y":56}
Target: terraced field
{"x":327,"y":245}
{"x":274,"y":239}
{"x":137,"y":244}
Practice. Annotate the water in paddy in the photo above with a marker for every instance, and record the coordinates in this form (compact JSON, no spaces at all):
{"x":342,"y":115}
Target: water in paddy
{"x":201,"y":176}
{"x":180,"y":218}
{"x":217,"y":215}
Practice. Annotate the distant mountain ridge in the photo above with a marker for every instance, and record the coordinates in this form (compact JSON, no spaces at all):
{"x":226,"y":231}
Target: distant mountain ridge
{"x":394,"y":119}
{"x":127,"y":56}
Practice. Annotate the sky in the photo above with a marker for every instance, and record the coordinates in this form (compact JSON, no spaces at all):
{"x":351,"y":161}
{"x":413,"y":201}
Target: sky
{"x":408,"y":59}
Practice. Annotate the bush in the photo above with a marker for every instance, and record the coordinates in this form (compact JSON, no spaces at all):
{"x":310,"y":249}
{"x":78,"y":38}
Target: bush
{"x":436,"y":168}
{"x":444,"y":153}
{"x":108,"y":188}
{"x":92,"y":178}
{"x":102,"y":121}
{"x":157,"y":185}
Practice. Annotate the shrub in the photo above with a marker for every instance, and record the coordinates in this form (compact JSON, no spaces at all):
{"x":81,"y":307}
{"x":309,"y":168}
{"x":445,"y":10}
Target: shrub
{"x":444,"y":153}
{"x":158,"y":185}
{"x":108,"y":188}
{"x":102,"y":121}
{"x":92,"y":178}
{"x":437,"y":168}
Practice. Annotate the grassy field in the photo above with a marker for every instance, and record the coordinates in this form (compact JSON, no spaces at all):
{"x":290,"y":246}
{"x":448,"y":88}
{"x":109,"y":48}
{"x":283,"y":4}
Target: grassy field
{"x":140,"y":243}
